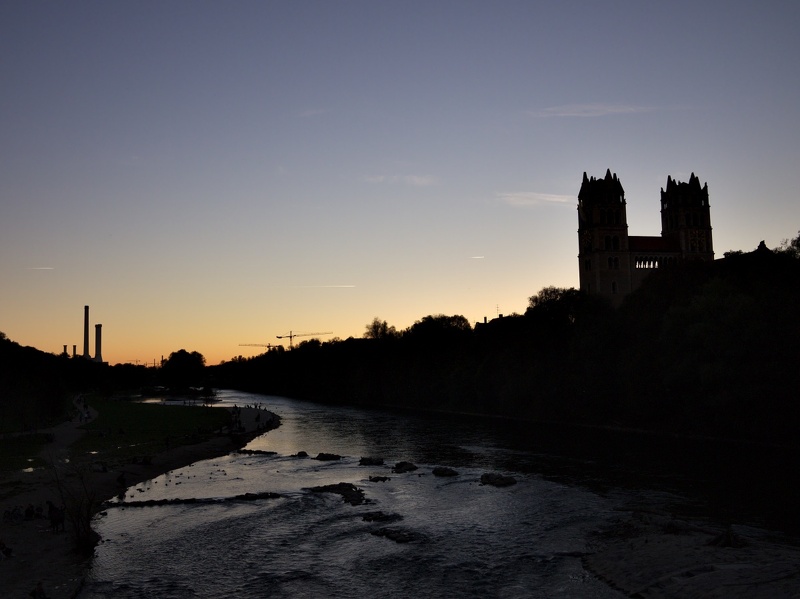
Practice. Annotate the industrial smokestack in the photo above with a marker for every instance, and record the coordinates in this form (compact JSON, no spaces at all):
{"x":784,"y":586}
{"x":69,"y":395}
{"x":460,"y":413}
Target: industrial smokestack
{"x":98,"y":342}
{"x":86,"y":332}
{"x":74,"y":350}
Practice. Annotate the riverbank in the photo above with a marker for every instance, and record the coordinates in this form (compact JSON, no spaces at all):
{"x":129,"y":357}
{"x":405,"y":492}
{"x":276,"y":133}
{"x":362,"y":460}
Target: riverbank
{"x":40,"y":554}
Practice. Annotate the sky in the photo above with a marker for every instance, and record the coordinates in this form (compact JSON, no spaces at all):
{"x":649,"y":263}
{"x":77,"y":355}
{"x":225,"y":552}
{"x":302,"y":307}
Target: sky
{"x":209,"y":174}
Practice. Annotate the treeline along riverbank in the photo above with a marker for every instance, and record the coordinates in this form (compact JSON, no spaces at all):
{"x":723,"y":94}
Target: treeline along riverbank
{"x":709,"y":349}
{"x":702,"y":362}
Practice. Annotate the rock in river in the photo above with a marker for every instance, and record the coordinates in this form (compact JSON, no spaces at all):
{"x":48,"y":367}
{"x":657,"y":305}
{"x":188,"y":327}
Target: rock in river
{"x":497,"y":480}
{"x":328,"y":457}
{"x":401,"y":467}
{"x":351,"y":494}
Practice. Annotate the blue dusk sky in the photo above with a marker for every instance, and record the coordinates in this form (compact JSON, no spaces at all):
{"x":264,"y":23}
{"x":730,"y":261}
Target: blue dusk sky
{"x":205,"y":174}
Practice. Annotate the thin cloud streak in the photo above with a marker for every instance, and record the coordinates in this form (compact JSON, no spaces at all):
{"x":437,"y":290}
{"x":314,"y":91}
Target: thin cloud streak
{"x":419,"y":181}
{"x":591,"y":110}
{"x":41,"y":268}
{"x":524,"y":199}
{"x":323,"y":286}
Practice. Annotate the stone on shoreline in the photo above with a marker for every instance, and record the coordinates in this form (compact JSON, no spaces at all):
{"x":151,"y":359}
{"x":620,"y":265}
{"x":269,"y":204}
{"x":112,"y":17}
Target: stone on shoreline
{"x":368,"y":461}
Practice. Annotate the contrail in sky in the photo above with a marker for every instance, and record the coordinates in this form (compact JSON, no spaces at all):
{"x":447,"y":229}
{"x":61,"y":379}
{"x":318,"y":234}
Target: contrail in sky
{"x":41,"y":268}
{"x":324,"y":286}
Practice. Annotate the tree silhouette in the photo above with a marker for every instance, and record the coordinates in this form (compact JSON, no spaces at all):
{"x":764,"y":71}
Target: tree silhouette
{"x":791,"y":246}
{"x":183,"y":369}
{"x":379,"y":329}
{"x":440,"y":328}
{"x":550,"y":297}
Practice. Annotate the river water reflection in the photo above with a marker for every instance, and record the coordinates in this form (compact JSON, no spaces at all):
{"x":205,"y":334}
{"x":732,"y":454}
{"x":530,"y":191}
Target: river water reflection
{"x":466,"y":539}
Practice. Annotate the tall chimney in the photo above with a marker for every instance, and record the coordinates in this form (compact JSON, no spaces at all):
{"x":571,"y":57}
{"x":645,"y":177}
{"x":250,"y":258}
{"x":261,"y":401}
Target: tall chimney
{"x":97,"y":342}
{"x":74,"y":350}
{"x":86,"y":332}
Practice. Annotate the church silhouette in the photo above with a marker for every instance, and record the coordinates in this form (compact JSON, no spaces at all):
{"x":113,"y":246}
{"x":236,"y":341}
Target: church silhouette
{"x":613,"y":263}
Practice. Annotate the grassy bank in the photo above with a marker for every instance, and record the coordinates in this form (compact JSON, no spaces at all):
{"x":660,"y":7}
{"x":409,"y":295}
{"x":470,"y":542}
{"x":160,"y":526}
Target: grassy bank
{"x":17,"y":453}
{"x":125,"y":430}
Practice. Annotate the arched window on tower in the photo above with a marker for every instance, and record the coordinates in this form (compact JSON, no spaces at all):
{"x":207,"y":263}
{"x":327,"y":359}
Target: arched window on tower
{"x":615,"y":242}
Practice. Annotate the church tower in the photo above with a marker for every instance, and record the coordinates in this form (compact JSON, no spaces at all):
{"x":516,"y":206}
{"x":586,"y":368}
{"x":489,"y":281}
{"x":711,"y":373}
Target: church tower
{"x":603,"y":255}
{"x":686,"y":218}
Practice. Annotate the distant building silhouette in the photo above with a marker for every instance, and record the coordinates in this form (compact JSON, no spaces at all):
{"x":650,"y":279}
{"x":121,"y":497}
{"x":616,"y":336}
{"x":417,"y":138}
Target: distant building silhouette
{"x":613,"y":263}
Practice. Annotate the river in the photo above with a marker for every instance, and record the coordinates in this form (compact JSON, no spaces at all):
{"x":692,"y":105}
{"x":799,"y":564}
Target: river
{"x":465,"y":539}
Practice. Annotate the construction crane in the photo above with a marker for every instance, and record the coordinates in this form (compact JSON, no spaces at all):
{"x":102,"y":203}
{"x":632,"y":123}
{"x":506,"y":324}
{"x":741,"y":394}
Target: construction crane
{"x":292,"y":335}
{"x":267,"y":345}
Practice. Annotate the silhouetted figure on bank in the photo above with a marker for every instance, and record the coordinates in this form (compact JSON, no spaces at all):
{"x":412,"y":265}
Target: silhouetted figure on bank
{"x":56,"y":516}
